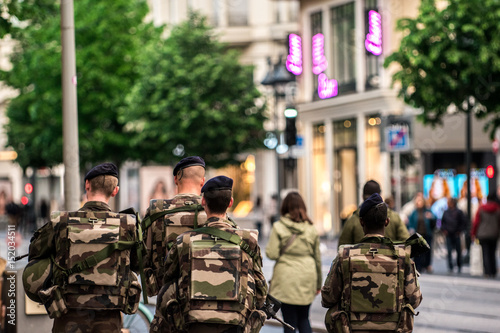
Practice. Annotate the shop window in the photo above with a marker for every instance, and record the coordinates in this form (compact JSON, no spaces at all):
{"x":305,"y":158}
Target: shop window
{"x":321,"y":182}
{"x":373,"y":165}
{"x":345,"y":175}
{"x":343,"y":47}
{"x":372,"y":61}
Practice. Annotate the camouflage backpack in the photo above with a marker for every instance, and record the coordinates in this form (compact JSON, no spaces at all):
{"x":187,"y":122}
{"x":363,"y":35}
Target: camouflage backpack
{"x":373,"y":295}
{"x":221,"y":286}
{"x":91,"y":262}
{"x":168,"y":219}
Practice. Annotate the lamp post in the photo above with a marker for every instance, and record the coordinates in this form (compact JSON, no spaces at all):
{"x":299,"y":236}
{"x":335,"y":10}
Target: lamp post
{"x":277,"y":77}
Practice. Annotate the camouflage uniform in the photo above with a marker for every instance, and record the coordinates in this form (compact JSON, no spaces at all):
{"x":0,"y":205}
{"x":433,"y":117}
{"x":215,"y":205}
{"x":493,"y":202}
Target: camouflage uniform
{"x":158,"y":242}
{"x":385,"y":306}
{"x":75,"y":320}
{"x":352,"y":232}
{"x":177,"y":283}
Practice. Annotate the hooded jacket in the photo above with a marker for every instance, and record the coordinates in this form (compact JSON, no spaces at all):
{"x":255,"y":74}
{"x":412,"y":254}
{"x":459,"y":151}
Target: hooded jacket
{"x":487,"y":221}
{"x":297,"y":272}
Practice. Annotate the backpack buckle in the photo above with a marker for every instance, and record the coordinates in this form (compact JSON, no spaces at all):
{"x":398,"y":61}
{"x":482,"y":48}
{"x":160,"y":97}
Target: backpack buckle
{"x":93,"y":220}
{"x":373,"y":252}
{"x":214,"y":238}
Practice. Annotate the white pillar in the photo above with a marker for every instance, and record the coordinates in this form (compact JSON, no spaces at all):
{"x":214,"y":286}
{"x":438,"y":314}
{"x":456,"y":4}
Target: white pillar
{"x":309,"y":188}
{"x":330,"y":169}
{"x":361,"y":148}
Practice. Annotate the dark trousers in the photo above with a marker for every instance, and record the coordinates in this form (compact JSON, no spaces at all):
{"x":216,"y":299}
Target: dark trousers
{"x":297,"y":316}
{"x":453,"y":244}
{"x":489,"y":247}
{"x":424,"y":260}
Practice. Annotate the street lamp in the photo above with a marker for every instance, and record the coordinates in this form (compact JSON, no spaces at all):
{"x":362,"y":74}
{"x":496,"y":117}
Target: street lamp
{"x":277,"y":78}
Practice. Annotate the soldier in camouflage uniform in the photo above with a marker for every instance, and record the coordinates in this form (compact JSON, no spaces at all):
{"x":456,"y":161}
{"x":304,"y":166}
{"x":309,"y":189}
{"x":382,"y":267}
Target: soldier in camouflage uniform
{"x":352,"y":232}
{"x":101,"y":183}
{"x":181,"y":306}
{"x":372,"y":286}
{"x":189,"y":177}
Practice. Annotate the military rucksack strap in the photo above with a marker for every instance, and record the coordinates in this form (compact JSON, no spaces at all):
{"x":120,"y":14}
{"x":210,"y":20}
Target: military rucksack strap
{"x":99,"y":256}
{"x":229,"y":237}
{"x":148,"y":221}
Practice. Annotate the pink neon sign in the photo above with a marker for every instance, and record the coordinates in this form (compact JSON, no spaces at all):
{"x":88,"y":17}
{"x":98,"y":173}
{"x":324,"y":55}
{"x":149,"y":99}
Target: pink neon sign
{"x":373,"y":41}
{"x":294,"y":58}
{"x":327,"y":88}
{"x":318,"y":54}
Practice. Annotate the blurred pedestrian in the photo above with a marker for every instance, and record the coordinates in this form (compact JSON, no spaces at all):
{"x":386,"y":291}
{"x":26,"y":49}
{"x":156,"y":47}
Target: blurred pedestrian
{"x":408,"y":208}
{"x":453,"y":224}
{"x":352,"y":232}
{"x":294,"y":244}
{"x":486,"y":228}
{"x":424,"y":222}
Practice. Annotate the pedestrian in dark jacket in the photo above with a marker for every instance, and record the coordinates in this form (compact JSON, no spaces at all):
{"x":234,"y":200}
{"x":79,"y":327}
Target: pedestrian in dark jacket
{"x":486,"y":228}
{"x":453,"y":223}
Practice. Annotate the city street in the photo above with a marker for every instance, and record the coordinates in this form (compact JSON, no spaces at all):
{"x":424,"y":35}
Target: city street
{"x":451,"y":303}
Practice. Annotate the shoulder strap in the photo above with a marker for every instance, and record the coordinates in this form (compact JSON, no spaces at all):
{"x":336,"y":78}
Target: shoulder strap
{"x":148,"y":221}
{"x":229,"y":237}
{"x":288,"y":243}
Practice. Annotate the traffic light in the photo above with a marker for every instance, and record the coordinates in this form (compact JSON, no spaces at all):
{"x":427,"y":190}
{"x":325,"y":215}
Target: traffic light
{"x":490,"y":171}
{"x":290,"y":129}
{"x":28,"y":189}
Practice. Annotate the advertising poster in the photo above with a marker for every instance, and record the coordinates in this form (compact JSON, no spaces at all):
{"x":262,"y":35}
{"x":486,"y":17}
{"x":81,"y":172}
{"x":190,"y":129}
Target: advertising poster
{"x":445,"y":183}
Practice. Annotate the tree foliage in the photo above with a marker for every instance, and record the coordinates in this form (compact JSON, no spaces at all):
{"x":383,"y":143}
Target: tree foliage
{"x":194,"y":98}
{"x":451,"y":57}
{"x":109,"y":36}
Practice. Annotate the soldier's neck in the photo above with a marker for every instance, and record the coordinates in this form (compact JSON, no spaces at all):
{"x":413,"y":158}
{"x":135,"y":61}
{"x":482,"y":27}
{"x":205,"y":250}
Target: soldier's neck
{"x":189,"y":190}
{"x":220,"y":216}
{"x":375,"y":233}
{"x":97,"y":197}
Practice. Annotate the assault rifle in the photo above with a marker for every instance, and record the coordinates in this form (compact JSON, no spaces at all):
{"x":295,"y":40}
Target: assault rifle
{"x":271,"y":307}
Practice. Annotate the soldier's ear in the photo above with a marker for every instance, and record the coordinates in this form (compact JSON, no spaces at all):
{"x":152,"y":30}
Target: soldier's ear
{"x":87,"y":185}
{"x":230,"y":203}
{"x":115,"y":191}
{"x":203,"y":201}
{"x":362,"y":222}
{"x":387,"y":222}
{"x":176,"y":181}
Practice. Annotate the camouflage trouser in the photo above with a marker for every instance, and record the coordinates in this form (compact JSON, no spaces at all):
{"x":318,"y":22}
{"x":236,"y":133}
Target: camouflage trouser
{"x":88,"y":321}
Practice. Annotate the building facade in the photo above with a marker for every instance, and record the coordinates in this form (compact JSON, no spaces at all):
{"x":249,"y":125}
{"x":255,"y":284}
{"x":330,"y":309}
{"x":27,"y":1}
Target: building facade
{"x":346,"y":99}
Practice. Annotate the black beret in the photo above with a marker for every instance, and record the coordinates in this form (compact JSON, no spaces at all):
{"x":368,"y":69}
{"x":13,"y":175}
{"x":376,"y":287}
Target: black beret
{"x":374,"y":200}
{"x":218,"y":183}
{"x":102,"y":169}
{"x":189,"y":162}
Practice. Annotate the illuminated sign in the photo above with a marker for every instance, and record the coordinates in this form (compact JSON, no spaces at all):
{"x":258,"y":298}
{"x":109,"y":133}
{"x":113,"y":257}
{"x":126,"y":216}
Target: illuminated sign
{"x":373,"y":41}
{"x":327,"y":88}
{"x":294,"y":58}
{"x":318,"y":54}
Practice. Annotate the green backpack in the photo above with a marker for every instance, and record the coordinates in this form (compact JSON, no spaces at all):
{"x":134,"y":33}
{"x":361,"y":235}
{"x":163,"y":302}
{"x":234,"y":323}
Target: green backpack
{"x":167,"y":219}
{"x":373,"y":295}
{"x":221,"y":284}
{"x":88,"y":264}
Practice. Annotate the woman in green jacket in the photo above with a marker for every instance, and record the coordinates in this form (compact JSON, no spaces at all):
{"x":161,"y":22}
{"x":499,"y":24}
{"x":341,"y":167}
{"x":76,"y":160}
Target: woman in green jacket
{"x":294,"y":244}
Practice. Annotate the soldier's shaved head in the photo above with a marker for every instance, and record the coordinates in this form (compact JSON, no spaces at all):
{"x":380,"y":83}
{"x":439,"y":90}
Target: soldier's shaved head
{"x":190,"y":179}
{"x":194,"y":173}
{"x":103,"y":184}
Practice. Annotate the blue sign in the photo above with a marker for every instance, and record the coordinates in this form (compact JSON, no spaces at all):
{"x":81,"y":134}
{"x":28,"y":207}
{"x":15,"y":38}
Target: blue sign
{"x":397,"y":138}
